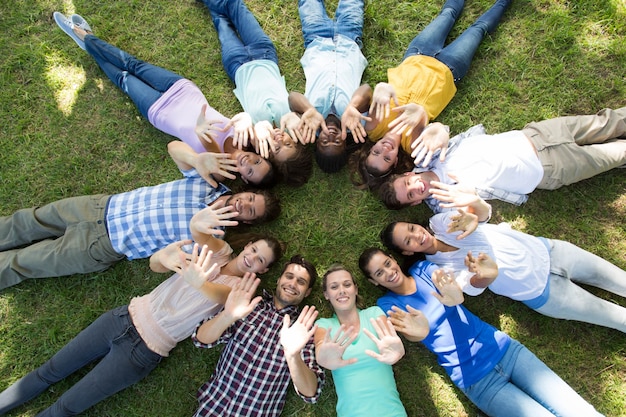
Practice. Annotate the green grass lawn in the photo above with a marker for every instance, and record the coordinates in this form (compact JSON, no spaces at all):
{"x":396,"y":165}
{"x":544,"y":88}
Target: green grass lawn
{"x":66,"y":130}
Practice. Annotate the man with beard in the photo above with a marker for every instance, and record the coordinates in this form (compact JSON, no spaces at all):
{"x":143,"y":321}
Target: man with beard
{"x":85,"y":234}
{"x":263,"y":350}
{"x":333,"y":65}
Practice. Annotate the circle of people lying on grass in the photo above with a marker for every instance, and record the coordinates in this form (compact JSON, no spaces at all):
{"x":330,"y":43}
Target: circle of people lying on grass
{"x":387,"y":138}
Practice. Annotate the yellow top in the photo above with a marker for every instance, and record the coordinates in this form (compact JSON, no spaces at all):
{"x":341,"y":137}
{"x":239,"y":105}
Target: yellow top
{"x":419,"y":79}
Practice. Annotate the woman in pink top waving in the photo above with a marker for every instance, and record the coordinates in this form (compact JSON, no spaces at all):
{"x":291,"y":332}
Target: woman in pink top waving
{"x":170,"y":102}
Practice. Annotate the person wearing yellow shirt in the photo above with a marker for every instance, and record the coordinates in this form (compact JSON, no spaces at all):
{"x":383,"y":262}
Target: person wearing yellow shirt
{"x":417,"y":91}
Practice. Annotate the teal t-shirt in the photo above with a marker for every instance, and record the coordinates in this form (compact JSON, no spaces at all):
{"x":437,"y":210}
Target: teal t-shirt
{"x":367,"y":387}
{"x":261,"y":91}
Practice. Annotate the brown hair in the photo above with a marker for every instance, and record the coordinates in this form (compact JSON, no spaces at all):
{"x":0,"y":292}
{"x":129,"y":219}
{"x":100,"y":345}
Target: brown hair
{"x":310,"y":268}
{"x":387,"y":194}
{"x":240,"y":240}
{"x":269,"y":180}
{"x":340,"y":267}
{"x":297,"y":170}
{"x":272,"y":206}
{"x":366,"y":257}
{"x":364,"y":177}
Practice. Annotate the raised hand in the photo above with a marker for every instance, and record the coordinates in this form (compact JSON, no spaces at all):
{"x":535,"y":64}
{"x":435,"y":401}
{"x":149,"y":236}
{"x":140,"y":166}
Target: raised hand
{"x":329,"y":352}
{"x":240,"y":302}
{"x":450,"y":294}
{"x":263,"y":131}
{"x":172,"y":257}
{"x":208,"y":163}
{"x":206,"y":129}
{"x":210,"y":219}
{"x":454,"y":195}
{"x":410,"y":116}
{"x":381,"y":101}
{"x":242,"y":123}
{"x":310,"y":121}
{"x":200,"y":268}
{"x":435,"y":136}
{"x":464,"y":222}
{"x":411,"y":323}
{"x":290,"y":122}
{"x":483,"y":266}
{"x":388,"y":342}
{"x":351,"y":119}
{"x":293,"y":338}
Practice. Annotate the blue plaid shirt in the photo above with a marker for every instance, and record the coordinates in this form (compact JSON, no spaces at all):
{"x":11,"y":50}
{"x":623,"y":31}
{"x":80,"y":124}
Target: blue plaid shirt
{"x":142,"y":221}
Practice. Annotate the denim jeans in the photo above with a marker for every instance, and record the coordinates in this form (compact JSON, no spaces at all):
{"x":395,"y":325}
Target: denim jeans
{"x":124,"y":360}
{"x":457,"y":55}
{"x":316,"y":23}
{"x":144,"y":83}
{"x":570,"y":265}
{"x":522,"y":385}
{"x":241,"y":37}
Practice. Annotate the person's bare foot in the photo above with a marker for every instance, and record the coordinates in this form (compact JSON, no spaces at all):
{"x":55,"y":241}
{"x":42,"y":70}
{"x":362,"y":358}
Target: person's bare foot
{"x":80,"y":32}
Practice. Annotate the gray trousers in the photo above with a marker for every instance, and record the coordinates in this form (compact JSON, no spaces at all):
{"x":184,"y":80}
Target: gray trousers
{"x":571,"y":266}
{"x":65,"y":237}
{"x":574,"y":148}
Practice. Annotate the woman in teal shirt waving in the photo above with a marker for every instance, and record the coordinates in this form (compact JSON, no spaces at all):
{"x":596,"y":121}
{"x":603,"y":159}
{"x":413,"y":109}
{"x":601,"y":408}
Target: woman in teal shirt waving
{"x":360,"y":361}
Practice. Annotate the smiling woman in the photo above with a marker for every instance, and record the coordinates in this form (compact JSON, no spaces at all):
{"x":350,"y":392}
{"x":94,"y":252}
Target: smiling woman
{"x":171,"y":103}
{"x":130,"y":341}
{"x":105,"y":145}
{"x":496,"y":372}
{"x":359,"y":347}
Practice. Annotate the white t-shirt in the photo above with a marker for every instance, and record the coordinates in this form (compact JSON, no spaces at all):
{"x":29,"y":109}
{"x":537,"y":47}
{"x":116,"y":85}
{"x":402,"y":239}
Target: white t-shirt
{"x":523,"y":260}
{"x":506,"y":161}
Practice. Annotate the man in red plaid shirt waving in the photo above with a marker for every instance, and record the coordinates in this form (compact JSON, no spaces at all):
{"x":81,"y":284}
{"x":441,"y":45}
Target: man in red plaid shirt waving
{"x":263,"y":351}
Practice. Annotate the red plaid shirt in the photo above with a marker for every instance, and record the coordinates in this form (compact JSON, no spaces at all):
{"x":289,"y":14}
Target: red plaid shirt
{"x":252,"y":376}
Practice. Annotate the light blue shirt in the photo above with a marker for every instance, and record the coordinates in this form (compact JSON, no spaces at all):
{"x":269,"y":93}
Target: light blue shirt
{"x":261,"y":91}
{"x":333,"y":70}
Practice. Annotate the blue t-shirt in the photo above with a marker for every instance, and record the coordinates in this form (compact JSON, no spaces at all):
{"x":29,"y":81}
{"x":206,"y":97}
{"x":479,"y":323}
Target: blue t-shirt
{"x":367,"y":387}
{"x":466,"y":347}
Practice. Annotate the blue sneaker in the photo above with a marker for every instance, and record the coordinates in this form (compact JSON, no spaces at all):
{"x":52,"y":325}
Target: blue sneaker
{"x":66,"y":25}
{"x":78,"y":20}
